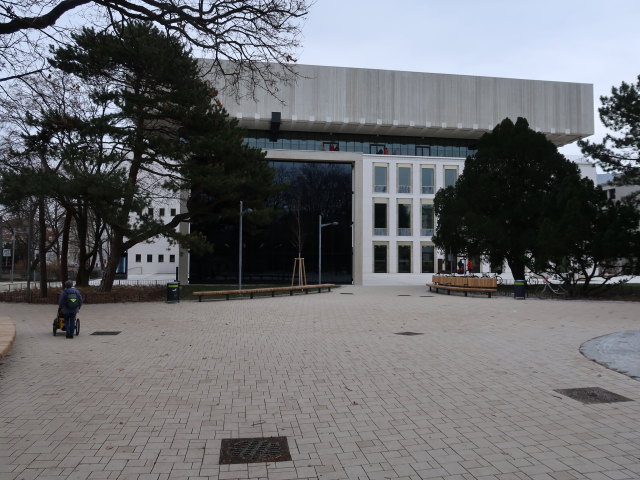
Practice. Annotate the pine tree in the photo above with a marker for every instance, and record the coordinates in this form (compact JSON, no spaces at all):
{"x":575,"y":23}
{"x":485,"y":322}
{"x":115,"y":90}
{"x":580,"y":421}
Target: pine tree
{"x":619,"y":152}
{"x":165,"y":131}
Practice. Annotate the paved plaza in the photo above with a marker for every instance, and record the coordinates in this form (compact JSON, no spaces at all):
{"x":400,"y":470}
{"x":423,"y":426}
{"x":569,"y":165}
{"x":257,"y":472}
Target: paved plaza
{"x":472,"y":398}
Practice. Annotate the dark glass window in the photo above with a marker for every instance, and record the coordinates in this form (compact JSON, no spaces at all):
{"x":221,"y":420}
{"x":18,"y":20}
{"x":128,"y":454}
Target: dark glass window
{"x":160,"y":258}
{"x":379,"y":259}
{"x":150,"y":212}
{"x":380,"y":219}
{"x":138,"y":257}
{"x":310,"y":189}
{"x":423,"y":150}
{"x":172,"y":258}
{"x":149,"y":258}
{"x":404,"y":179}
{"x":450,"y":176}
{"x":428,"y":255}
{"x":427,"y":220}
{"x":173,"y":212}
{"x":404,"y":219}
{"x":380,"y":178}
{"x":404,"y":258}
{"x":371,"y":144}
{"x":428,"y":182}
{"x":161,"y":212}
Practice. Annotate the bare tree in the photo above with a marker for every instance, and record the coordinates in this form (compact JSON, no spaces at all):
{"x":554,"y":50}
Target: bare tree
{"x":251,"y":43}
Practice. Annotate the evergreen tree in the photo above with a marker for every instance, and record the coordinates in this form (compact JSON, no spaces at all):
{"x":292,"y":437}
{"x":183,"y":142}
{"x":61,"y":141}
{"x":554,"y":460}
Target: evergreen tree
{"x":165,"y":133}
{"x":619,"y":152}
{"x":520,"y":200}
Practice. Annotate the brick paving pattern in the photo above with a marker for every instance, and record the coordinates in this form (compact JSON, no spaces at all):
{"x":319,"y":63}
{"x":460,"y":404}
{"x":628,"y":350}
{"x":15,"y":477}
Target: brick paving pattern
{"x":472,"y":398}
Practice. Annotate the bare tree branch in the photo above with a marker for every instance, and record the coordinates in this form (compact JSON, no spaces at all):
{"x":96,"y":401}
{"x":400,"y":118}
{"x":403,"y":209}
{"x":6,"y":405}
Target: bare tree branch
{"x":250,"y":43}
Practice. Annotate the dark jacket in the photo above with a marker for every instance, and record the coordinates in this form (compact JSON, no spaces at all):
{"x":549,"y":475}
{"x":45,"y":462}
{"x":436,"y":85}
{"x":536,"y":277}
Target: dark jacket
{"x":62,"y":300}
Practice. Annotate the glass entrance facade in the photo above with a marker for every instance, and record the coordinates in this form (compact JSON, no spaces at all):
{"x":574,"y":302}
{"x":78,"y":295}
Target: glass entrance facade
{"x":309,"y":189}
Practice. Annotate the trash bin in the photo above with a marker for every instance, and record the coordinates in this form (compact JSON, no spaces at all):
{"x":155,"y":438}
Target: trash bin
{"x":173,"y":292}
{"x":519,"y":292}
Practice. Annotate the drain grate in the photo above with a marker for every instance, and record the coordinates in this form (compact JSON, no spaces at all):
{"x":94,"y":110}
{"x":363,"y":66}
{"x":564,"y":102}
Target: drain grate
{"x":254,"y":450}
{"x":403,"y":295}
{"x":105,"y":333}
{"x":409,"y":333}
{"x":593,"y":395}
{"x":346,"y":293}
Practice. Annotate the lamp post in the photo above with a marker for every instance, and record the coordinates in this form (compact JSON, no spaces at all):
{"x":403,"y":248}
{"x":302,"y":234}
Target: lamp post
{"x":320,"y":227}
{"x":242,"y":211}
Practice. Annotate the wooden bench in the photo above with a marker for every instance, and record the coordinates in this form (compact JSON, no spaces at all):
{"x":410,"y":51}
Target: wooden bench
{"x":463,"y":284}
{"x":272,"y":290}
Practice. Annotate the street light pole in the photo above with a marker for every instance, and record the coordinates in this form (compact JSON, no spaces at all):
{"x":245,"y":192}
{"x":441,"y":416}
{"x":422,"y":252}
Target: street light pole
{"x":13,"y":254}
{"x":320,"y":227}
{"x":240,"y":251}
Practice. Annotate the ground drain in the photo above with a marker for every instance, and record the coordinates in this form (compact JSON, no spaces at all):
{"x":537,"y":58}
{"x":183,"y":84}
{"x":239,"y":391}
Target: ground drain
{"x":593,"y":395}
{"x":254,"y":450}
{"x":346,"y":293}
{"x":409,"y":333}
{"x":105,"y":333}
{"x":403,"y":295}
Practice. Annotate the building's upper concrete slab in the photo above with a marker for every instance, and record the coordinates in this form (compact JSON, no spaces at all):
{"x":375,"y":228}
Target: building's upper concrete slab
{"x":355,"y":100}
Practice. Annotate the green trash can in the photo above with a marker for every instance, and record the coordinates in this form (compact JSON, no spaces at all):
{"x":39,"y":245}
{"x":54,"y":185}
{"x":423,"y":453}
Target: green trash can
{"x":173,"y":292}
{"x":519,"y":289}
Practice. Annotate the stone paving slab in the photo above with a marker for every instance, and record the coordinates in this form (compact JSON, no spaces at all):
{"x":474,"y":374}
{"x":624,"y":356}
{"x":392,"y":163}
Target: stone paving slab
{"x":472,"y":398}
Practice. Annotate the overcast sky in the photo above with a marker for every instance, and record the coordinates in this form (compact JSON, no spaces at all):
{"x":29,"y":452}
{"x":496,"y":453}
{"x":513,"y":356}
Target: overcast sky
{"x":587,"y":41}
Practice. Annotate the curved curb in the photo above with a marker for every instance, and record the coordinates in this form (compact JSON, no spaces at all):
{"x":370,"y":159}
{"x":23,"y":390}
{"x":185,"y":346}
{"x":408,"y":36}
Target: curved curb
{"x":7,"y":335}
{"x":616,"y":351}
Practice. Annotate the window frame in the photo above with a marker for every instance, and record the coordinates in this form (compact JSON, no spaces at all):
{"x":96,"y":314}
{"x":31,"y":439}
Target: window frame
{"x":433,"y":253}
{"x":386,"y":257}
{"x":404,"y":188}
{"x":381,"y":230}
{"x":409,"y":247}
{"x":430,"y":189}
{"x":444,"y":174}
{"x":381,"y":188}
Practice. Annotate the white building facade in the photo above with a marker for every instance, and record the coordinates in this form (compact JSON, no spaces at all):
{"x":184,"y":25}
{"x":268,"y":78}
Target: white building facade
{"x":406,"y":135}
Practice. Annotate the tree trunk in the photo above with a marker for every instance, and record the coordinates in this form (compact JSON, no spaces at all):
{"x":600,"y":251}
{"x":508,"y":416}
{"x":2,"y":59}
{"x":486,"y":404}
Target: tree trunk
{"x":82,"y":279}
{"x":64,"y":249}
{"x":112,"y":263}
{"x":42,"y":246}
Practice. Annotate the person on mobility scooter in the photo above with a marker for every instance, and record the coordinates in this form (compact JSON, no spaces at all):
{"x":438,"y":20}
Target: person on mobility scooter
{"x":69,"y":304}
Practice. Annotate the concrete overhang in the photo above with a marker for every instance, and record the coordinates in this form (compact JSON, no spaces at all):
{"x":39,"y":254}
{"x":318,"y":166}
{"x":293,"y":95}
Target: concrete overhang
{"x":383,"y":102}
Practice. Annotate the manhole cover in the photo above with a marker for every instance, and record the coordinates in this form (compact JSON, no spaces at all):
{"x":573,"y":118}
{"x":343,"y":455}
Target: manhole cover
{"x":105,"y":333}
{"x":593,"y":395}
{"x":409,"y":333}
{"x":254,"y":450}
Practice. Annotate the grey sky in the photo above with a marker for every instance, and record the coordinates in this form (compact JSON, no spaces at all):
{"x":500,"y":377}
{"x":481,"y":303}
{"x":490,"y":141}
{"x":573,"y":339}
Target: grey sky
{"x":585,"y":41}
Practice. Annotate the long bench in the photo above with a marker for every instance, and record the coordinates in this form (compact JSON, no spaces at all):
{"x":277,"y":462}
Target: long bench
{"x":463,"y":284}
{"x":272,"y":290}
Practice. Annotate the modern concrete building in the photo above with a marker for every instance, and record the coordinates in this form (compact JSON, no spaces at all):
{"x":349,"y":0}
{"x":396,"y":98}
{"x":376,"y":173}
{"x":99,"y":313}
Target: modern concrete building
{"x":404,"y":135}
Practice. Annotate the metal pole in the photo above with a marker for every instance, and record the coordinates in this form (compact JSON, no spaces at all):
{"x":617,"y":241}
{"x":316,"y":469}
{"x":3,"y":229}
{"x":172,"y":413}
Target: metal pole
{"x":29,"y":251}
{"x":240,"y":251}
{"x":2,"y":262}
{"x":319,"y":249}
{"x":13,"y":254}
